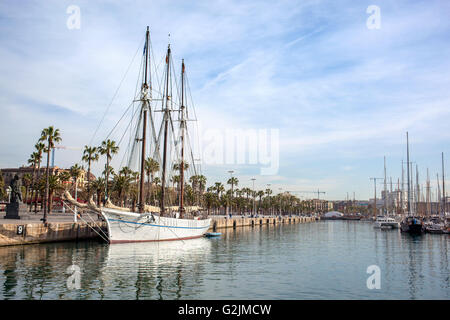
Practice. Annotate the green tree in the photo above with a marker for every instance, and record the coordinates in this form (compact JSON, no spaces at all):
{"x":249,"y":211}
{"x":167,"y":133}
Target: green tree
{"x":108,"y":148}
{"x":27,"y":179}
{"x":2,"y":187}
{"x":90,"y":154}
{"x":98,"y":186}
{"x":151,"y":166}
{"x":40,"y":149}
{"x":50,"y":135}
{"x":75,"y":173}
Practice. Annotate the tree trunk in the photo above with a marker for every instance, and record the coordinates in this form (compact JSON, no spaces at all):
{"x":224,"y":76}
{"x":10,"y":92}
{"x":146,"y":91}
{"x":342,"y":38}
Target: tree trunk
{"x":89,"y":179}
{"x":38,"y":192}
{"x":47,"y":171}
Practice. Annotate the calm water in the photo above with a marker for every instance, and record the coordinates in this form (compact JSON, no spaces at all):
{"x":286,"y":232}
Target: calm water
{"x":324,"y":260}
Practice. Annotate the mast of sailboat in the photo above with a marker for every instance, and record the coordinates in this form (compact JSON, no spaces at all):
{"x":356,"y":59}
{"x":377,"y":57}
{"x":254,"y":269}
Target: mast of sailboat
{"x":408,"y":209}
{"x":182,"y":127}
{"x":145,"y":107}
{"x":443,"y":188}
{"x":166,"y":124}
{"x":438,"y":195}
{"x":385,"y":189}
{"x":402,"y":192}
{"x":417,"y":189}
{"x":428,"y":194}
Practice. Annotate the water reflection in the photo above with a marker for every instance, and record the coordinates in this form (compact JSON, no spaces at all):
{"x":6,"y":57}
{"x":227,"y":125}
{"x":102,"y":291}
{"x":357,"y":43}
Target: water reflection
{"x":324,"y":260}
{"x":155,"y":270}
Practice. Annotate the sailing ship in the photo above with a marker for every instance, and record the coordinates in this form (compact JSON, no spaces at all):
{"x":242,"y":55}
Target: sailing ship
{"x":412,"y":224}
{"x":150,"y":222}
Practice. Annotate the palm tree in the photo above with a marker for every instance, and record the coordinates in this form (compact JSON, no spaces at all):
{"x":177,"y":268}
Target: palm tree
{"x":210,"y":200}
{"x":219,"y":188}
{"x":268,"y":192}
{"x":122,"y":184}
{"x":27,"y":179}
{"x":32,"y":161}
{"x":233,"y":181}
{"x":75,"y":172}
{"x":50,"y":135}
{"x":260,"y":194}
{"x":125,"y":171}
{"x":90,"y":154}
{"x":151,"y":166}
{"x":54,"y":184}
{"x":98,"y":185}
{"x":2,"y":187}
{"x":177,"y":166}
{"x":108,"y":148}
{"x":64,"y":177}
{"x":40,"y":148}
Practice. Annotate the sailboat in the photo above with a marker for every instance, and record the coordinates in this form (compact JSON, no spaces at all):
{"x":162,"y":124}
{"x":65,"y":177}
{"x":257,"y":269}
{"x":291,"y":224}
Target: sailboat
{"x":385,"y":221}
{"x":411,"y":223}
{"x":163,"y":222}
{"x":437,"y":224}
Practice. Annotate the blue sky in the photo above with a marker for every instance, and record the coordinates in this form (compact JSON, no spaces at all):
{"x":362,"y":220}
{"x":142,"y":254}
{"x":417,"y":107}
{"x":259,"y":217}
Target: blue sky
{"x":341,"y":95}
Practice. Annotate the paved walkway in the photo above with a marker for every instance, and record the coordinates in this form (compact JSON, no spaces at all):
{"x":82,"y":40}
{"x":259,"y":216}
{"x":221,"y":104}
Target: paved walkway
{"x":31,"y":217}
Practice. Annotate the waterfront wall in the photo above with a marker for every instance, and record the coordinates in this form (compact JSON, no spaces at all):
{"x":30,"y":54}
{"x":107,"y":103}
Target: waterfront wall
{"x":16,"y":234}
{"x":218,"y":223}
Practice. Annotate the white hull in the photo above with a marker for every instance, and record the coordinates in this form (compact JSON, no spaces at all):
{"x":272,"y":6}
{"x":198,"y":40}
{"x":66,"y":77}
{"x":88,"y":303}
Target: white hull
{"x":386,"y":222}
{"x":136,"y":227}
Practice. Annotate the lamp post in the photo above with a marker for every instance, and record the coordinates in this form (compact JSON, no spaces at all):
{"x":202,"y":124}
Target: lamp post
{"x":270,"y":204}
{"x":253,"y":194}
{"x":231,"y":175}
{"x":281,"y":199}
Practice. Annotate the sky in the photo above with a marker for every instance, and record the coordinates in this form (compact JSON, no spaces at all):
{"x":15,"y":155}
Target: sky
{"x":337,"y":93}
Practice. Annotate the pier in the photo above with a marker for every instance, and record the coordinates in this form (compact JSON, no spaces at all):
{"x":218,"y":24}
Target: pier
{"x":235,"y":222}
{"x":60,"y":228}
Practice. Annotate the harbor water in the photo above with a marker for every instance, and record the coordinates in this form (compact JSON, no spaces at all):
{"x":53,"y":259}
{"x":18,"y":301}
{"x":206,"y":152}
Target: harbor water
{"x":322,"y":260}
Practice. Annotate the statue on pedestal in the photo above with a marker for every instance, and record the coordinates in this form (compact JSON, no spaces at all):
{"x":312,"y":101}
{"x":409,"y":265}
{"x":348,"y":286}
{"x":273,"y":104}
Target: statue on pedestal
{"x":12,"y":208}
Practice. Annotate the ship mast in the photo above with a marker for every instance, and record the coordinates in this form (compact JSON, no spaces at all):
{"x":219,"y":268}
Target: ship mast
{"x":166,"y":123}
{"x":182,"y":127}
{"x":407,"y":176}
{"x":145,"y":107}
{"x":443,"y":188}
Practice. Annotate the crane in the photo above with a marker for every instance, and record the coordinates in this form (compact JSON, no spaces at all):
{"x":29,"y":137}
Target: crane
{"x":61,"y":147}
{"x":318,"y":192}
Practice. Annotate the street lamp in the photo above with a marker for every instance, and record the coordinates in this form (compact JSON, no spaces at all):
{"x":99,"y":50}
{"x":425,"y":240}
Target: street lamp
{"x":281,"y":199}
{"x":231,"y":174}
{"x":253,"y":180}
{"x":270,"y":204}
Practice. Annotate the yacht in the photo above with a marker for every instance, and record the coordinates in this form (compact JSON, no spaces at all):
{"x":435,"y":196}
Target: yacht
{"x":386,"y":222}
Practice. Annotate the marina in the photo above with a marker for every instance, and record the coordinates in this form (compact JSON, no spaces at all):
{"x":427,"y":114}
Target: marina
{"x":225,"y":150}
{"x":321,"y":260}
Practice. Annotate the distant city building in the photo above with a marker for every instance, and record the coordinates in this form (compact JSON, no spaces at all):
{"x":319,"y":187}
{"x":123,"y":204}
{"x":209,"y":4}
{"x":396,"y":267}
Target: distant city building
{"x":9,"y":173}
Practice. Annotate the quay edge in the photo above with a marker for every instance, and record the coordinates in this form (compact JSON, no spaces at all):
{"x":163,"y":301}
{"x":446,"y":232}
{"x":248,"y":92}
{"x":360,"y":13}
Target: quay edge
{"x":33,"y":233}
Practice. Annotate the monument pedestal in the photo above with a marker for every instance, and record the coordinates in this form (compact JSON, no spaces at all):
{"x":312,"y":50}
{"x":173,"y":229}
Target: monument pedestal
{"x":12,"y":211}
